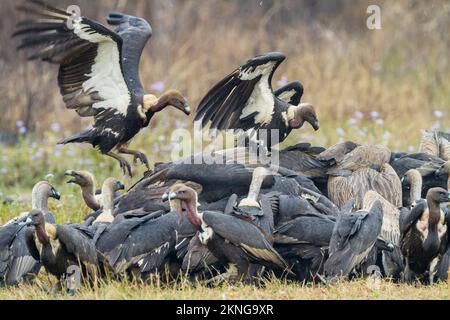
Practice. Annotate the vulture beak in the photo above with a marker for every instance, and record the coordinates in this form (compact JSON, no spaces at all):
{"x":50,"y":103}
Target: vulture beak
{"x":315,"y":125}
{"x":183,"y":107}
{"x":439,"y":172}
{"x":29,"y":222}
{"x":70,"y":173}
{"x":169,"y":196}
{"x":55,"y":194}
{"x":120,"y":185}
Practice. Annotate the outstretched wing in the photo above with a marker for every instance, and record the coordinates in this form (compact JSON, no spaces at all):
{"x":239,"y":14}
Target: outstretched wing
{"x":291,"y":93}
{"x":244,"y":99}
{"x":135,"y":33}
{"x":91,"y":78}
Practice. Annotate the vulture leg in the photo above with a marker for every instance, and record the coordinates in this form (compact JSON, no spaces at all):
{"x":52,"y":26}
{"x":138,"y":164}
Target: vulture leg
{"x":137,"y":156}
{"x":126,"y":168}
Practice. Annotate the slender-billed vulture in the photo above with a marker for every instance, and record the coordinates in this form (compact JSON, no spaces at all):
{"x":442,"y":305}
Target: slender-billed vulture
{"x":98,"y":75}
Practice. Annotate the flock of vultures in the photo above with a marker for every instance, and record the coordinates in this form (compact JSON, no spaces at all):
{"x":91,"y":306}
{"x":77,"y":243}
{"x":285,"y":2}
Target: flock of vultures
{"x":318,"y":215}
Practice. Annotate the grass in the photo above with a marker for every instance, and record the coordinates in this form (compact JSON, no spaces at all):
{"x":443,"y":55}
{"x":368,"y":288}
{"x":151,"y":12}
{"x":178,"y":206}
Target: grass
{"x":274,"y":289}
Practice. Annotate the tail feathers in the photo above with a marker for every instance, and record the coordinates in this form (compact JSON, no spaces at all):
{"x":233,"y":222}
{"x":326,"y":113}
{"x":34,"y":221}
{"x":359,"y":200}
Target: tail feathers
{"x":78,"y":138}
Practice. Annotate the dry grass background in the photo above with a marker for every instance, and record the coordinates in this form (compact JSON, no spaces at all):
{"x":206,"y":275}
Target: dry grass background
{"x":401,"y":71}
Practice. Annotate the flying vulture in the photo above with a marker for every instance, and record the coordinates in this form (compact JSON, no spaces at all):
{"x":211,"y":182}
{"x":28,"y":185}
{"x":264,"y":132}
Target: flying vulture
{"x":245,"y":101}
{"x":98,"y":74}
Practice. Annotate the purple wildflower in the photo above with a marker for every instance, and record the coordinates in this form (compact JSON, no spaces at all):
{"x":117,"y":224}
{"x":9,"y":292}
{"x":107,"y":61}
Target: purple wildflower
{"x":438,"y":114}
{"x":282,"y":82}
{"x":359,"y":114}
{"x":374,"y":114}
{"x":55,"y":127}
{"x":352,"y":122}
{"x":379,"y":122}
{"x":22,"y":130}
{"x":20,"y":123}
{"x":158,"y":86}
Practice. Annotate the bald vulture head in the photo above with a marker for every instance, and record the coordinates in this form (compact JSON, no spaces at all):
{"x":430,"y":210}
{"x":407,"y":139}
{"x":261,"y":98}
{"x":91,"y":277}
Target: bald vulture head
{"x":171,"y":98}
{"x":181,"y":196}
{"x":302,"y":113}
{"x":81,"y":178}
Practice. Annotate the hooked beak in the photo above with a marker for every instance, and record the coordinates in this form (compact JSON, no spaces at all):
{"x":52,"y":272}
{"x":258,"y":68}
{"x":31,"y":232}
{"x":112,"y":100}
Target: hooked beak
{"x":29,"y":222}
{"x":315,"y":125}
{"x":56,"y":195}
{"x":183,"y":107}
{"x":169,"y":196}
{"x":120,"y":186}
{"x":70,"y":173}
{"x":439,"y":172}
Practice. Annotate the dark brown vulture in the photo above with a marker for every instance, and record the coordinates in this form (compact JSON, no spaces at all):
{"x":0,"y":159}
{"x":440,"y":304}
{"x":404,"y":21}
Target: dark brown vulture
{"x":98,"y":75}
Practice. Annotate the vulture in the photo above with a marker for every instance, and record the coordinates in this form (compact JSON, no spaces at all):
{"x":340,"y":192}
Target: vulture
{"x":109,"y":189}
{"x":230,"y":238}
{"x":245,"y":101}
{"x":424,"y":236}
{"x":86,"y":181}
{"x":389,"y":259}
{"x":16,"y":261}
{"x":356,"y":169}
{"x":142,"y":243}
{"x":98,"y":74}
{"x":427,"y":165}
{"x":354,"y":236}
{"x":58,"y":247}
{"x":436,"y":144}
{"x":303,"y":241}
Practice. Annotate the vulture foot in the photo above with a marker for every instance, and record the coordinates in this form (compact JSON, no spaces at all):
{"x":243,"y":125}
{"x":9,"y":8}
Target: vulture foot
{"x":124,"y":165}
{"x":138,"y":156}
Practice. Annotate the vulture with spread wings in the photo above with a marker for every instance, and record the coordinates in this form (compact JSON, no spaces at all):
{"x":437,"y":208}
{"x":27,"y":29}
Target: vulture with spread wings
{"x":98,"y":75}
{"x":245,"y":101}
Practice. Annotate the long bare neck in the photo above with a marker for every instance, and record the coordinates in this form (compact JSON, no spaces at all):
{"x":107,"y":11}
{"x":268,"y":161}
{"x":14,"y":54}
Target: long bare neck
{"x":192,"y":214}
{"x":107,"y":198}
{"x":415,"y":192}
{"x":163,"y":102}
{"x":39,"y":200}
{"x":88,"y":193}
{"x":434,"y":212}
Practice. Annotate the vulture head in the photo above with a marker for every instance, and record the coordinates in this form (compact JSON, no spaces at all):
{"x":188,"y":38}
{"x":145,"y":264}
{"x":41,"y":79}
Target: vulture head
{"x":81,"y":178}
{"x":44,"y":232}
{"x":112,"y":185}
{"x":182,"y":197}
{"x":45,"y":189}
{"x":171,"y":98}
{"x":444,"y":170}
{"x":302,"y":113}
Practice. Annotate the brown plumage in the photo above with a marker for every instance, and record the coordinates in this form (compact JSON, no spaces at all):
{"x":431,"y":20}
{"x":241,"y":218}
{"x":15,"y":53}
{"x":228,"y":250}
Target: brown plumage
{"x":342,"y":189}
{"x":435,"y":145}
{"x":360,"y":157}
